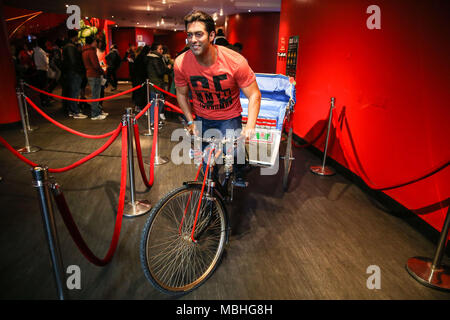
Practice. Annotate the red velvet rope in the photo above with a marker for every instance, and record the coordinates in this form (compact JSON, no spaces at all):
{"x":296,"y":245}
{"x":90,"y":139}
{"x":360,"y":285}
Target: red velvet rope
{"x":17,"y":153}
{"x":85,"y":100}
{"x":74,"y":165}
{"x":72,"y":227}
{"x":92,"y":155}
{"x":84,"y":135}
{"x":143,"y":111}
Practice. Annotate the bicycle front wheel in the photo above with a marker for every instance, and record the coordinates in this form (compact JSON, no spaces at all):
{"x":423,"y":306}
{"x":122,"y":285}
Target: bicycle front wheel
{"x":172,"y":262}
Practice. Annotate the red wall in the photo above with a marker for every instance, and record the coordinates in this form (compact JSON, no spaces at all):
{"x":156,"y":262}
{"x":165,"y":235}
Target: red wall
{"x":391,"y":88}
{"x":258,"y":33}
{"x":9,"y":110}
{"x":174,"y":40}
{"x":123,"y":37}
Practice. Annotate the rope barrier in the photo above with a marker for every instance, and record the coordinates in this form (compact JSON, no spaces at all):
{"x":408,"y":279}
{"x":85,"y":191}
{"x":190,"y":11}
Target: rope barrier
{"x":72,"y":227}
{"x":143,"y":111}
{"x":84,"y":135}
{"x":362,"y":174}
{"x":148,"y":182}
{"x":74,"y":165}
{"x":17,"y":154}
{"x":85,"y":100}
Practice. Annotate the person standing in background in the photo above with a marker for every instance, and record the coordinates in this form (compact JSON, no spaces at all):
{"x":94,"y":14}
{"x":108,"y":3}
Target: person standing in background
{"x":93,"y":72}
{"x":156,"y":69}
{"x":41,"y":61}
{"x":113,"y":63}
{"x":72,"y":75}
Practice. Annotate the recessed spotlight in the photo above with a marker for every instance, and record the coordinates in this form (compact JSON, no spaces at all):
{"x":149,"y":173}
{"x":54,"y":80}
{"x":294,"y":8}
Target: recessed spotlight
{"x":67,"y":5}
{"x":137,"y":22}
{"x":112,"y":16}
{"x":249,"y":10}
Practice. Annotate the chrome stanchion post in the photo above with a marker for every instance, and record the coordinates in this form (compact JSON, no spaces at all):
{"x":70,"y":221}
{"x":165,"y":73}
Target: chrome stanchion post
{"x":158,"y":160}
{"x":25,"y":108}
{"x":41,"y":183}
{"x":433,"y":273}
{"x":323,"y":170}
{"x":148,"y":132}
{"x":27,"y":148}
{"x":134,"y":207}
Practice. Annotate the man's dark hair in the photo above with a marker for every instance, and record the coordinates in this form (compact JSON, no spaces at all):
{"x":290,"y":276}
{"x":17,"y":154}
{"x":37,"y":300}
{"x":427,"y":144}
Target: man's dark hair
{"x":201,"y":17}
{"x":89,"y":39}
{"x":155,"y":46}
{"x":72,"y":33}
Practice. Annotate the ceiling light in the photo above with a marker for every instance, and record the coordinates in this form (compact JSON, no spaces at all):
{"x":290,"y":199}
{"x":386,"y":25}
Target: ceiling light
{"x":221,"y":12}
{"x":67,"y":5}
{"x":157,"y":23}
{"x":112,"y":16}
{"x":162,"y":20}
{"x":137,"y":22}
{"x":249,"y":10}
{"x":163,"y":1}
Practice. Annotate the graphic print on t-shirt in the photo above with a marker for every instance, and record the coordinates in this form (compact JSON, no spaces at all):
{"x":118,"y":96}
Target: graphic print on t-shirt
{"x":209,"y":99}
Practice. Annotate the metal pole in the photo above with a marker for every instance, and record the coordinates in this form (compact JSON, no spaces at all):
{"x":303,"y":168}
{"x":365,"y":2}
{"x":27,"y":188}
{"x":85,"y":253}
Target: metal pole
{"x":40,"y":182}
{"x":158,"y":160}
{"x":27,"y":148}
{"x":322,"y":170}
{"x":27,"y":117}
{"x":429,"y":272}
{"x":134,"y":207}
{"x":148,"y":132}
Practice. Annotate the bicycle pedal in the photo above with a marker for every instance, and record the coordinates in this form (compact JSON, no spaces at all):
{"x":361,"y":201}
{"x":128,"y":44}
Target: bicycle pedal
{"x":240,"y":184}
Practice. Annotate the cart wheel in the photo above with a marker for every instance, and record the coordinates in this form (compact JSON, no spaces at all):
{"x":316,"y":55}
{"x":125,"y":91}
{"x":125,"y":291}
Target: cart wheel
{"x":287,"y":160}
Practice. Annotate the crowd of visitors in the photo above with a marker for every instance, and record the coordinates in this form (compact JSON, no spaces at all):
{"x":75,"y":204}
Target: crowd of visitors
{"x":74,"y":66}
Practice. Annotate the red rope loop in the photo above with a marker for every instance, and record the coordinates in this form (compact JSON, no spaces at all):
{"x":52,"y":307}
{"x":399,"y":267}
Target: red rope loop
{"x":74,"y":165}
{"x":143,"y":111}
{"x":60,"y":125}
{"x":148,"y":182}
{"x":72,"y":227}
{"x":85,"y":100}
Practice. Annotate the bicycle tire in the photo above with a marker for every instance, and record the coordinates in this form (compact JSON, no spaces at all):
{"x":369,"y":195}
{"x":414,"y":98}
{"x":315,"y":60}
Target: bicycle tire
{"x":287,"y":161}
{"x":168,"y":257}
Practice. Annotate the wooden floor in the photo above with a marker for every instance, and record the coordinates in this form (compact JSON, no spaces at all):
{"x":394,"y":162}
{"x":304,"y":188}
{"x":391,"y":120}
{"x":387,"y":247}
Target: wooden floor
{"x":315,"y":241}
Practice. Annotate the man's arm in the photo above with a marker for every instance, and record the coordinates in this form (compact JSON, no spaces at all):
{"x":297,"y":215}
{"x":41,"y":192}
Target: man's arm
{"x":183,"y":102}
{"x":254,"y":102}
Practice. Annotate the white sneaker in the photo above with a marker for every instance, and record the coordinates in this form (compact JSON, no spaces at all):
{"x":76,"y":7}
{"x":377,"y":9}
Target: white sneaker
{"x":79,"y":116}
{"x":105,"y":113}
{"x":99,"y":117}
{"x":162,"y":116}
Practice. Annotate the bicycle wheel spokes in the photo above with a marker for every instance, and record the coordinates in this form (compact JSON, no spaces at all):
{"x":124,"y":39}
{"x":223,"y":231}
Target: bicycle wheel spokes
{"x":173,"y":262}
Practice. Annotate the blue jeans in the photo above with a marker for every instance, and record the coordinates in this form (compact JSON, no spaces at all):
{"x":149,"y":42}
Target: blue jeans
{"x":152,"y":108}
{"x":95,"y":84}
{"x":74,"y":87}
{"x":221,"y":127}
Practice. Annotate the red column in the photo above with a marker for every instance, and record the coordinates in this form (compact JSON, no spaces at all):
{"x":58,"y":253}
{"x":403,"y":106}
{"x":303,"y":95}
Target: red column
{"x":9,"y":110}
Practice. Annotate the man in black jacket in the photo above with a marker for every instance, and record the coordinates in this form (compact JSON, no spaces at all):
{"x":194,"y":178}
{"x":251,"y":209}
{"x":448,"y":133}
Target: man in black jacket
{"x":72,"y":73}
{"x":113,"y":61}
{"x":156,"y":69}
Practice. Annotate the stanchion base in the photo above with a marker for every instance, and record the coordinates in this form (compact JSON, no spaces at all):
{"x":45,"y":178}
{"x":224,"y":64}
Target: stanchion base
{"x":160,"y":161}
{"x":420,"y":269}
{"x":322,"y":171}
{"x":30,"y":149}
{"x":31,"y":128}
{"x":139,"y":208}
{"x":146,"y":133}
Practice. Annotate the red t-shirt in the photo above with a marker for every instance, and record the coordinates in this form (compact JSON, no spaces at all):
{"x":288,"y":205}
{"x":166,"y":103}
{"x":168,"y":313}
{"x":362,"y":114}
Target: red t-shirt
{"x":215,"y":89}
